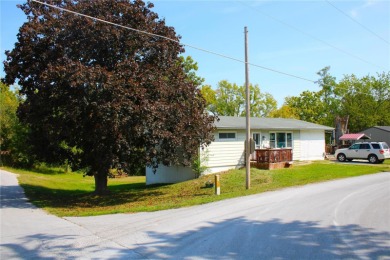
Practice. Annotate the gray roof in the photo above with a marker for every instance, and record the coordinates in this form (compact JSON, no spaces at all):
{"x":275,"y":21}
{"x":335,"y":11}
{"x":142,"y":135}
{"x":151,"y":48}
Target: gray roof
{"x":231,"y":122}
{"x":384,"y":128}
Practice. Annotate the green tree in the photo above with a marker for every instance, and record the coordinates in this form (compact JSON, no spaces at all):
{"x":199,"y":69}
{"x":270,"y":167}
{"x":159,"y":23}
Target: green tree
{"x":329,"y":98}
{"x":266,"y":103}
{"x":229,"y":100}
{"x":13,"y":135}
{"x":319,"y":107}
{"x":8,"y":119}
{"x":261,"y":104}
{"x":190,"y":67}
{"x":121,"y":97}
{"x":284,"y":111}
{"x":308,"y":106}
{"x":365,"y":100}
{"x":209,"y":95}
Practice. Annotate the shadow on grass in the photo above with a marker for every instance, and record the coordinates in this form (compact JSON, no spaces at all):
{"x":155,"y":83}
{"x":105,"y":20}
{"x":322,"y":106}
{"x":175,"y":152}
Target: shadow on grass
{"x":58,"y":198}
{"x":136,"y":186}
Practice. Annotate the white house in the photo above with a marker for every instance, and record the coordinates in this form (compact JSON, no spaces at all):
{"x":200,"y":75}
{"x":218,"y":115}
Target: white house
{"x":227,"y":151}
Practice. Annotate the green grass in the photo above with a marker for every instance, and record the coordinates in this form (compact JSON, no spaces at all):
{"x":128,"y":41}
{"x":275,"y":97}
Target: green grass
{"x":70,"y":194}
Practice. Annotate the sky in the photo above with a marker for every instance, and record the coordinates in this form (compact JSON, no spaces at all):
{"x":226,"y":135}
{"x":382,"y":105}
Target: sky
{"x":298,"y":38}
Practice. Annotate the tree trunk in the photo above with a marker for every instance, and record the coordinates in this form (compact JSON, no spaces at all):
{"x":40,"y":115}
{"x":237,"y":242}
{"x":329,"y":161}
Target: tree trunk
{"x":101,"y":183}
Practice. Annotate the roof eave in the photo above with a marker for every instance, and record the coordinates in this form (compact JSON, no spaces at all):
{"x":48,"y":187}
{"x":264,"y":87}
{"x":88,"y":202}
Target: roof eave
{"x":275,"y":128}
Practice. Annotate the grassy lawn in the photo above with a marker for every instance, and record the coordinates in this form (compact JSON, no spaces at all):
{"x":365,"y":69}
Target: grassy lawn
{"x":69,"y":194}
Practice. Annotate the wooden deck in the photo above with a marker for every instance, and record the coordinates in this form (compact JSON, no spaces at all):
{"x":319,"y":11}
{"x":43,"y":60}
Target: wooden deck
{"x":272,"y":158}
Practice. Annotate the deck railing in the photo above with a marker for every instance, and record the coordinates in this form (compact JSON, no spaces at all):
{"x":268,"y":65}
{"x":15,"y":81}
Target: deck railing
{"x":274,"y":155}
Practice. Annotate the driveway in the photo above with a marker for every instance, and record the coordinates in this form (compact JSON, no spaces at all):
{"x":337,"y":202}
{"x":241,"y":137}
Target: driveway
{"x":343,"y":219}
{"x":30,"y":233}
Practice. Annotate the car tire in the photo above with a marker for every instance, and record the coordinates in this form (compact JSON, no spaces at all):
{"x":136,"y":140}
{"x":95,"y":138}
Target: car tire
{"x":341,"y":157}
{"x":372,"y":158}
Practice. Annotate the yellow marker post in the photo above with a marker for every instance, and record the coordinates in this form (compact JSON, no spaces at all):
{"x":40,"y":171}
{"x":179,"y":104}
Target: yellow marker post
{"x":217,"y":185}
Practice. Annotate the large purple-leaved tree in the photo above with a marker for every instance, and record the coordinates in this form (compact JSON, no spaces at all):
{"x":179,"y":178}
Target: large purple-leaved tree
{"x":116,"y":95}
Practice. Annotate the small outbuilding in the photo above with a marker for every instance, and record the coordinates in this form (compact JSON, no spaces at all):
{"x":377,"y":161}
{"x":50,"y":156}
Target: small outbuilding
{"x":347,"y":140}
{"x":378,"y":133}
{"x":354,"y":137}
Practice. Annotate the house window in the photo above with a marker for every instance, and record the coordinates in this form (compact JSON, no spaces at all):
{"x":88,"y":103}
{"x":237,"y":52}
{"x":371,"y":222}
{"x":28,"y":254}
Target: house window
{"x":289,"y":139}
{"x":272,"y":140}
{"x":280,"y":140}
{"x":227,"y":136}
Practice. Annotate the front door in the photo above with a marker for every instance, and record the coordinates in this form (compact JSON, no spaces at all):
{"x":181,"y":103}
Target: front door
{"x":257,"y":139}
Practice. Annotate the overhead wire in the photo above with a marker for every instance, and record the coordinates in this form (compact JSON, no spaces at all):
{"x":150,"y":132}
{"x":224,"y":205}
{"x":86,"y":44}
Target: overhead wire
{"x":173,"y":40}
{"x":184,"y":44}
{"x":308,"y":34}
{"x":357,"y":22}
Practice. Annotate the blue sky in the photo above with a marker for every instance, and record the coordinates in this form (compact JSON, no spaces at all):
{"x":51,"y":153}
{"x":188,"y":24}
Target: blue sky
{"x":294,"y":37}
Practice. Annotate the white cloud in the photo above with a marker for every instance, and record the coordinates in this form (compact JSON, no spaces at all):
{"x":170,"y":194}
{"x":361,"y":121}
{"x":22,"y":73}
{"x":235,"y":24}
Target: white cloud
{"x":367,"y":4}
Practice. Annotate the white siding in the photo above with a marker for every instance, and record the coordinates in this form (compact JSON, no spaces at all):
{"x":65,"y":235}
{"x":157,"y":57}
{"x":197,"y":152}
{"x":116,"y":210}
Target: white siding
{"x":225,"y":154}
{"x":172,"y":174}
{"x":296,"y":145}
{"x":312,"y":145}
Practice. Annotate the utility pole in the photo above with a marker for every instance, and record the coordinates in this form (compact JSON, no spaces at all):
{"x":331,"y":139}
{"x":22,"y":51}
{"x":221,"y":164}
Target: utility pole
{"x":247,"y":109}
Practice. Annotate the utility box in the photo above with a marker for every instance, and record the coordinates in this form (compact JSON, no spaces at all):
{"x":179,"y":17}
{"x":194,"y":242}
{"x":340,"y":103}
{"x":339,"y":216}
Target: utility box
{"x":252,"y":145}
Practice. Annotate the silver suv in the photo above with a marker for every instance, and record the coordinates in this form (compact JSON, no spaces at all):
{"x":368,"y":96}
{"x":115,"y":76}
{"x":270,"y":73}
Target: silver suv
{"x":374,"y":152}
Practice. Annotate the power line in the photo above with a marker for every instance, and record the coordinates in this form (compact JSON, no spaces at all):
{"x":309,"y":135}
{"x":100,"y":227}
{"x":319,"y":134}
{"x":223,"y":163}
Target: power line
{"x":354,"y":20}
{"x":173,"y":40}
{"x":191,"y":46}
{"x":309,"y":35}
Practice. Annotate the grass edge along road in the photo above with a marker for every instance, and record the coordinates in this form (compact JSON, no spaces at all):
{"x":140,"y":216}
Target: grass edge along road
{"x":70,"y":194}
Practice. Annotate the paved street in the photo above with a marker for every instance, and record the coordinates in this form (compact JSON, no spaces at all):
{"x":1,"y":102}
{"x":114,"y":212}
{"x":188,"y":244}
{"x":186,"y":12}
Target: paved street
{"x":343,"y":219}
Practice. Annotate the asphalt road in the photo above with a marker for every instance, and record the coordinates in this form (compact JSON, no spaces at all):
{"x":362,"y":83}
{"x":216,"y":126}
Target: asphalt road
{"x":343,"y":219}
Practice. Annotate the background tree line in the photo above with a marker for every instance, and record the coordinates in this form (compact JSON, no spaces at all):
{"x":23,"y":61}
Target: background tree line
{"x":229,"y":100}
{"x":365,"y":100}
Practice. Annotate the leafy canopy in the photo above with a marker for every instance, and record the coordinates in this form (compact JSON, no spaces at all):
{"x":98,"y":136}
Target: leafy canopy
{"x":229,"y":100}
{"x":13,"y":148}
{"x":365,"y":100}
{"x":121,"y":97}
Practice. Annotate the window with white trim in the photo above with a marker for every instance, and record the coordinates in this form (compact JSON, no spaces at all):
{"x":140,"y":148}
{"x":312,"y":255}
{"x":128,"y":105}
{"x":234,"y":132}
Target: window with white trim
{"x":280,"y":140}
{"x":227,"y":136}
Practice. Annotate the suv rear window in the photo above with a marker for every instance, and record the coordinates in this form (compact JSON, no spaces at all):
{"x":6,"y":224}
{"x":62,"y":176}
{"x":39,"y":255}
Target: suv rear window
{"x":376,"y":146}
{"x":385,"y":146}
